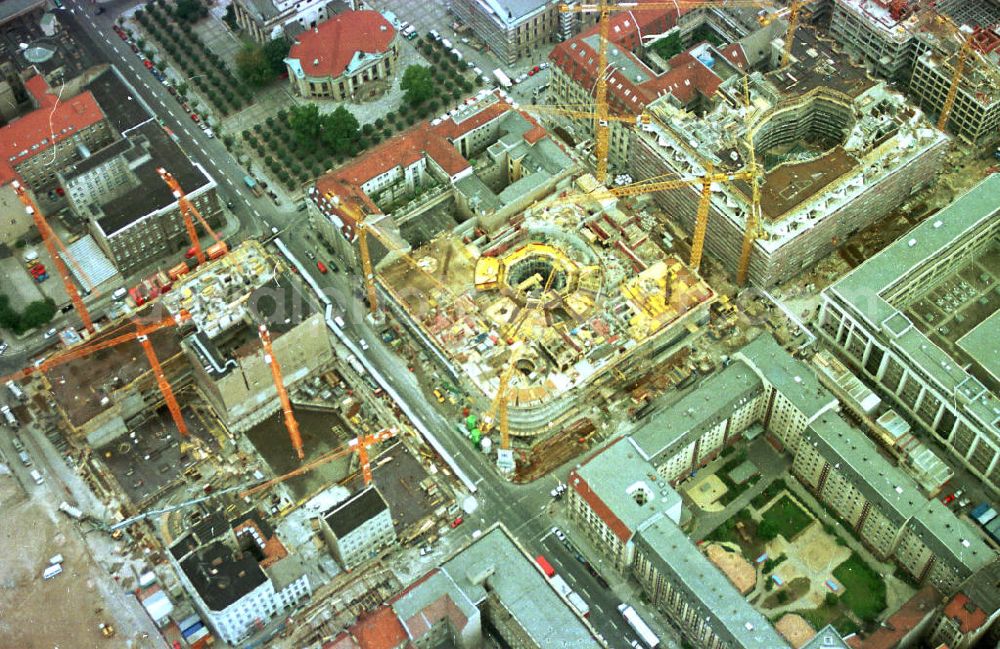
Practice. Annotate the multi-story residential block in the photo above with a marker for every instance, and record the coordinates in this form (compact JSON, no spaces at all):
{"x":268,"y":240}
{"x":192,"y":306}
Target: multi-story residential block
{"x":911,"y":45}
{"x":359,"y":528}
{"x":971,"y":614}
{"x":877,"y":32}
{"x":266,"y":20}
{"x":238,"y":573}
{"x":615,"y":491}
{"x":626,"y":509}
{"x":64,"y":130}
{"x":903,"y":321}
{"x":512,"y":28}
{"x":350,"y":56}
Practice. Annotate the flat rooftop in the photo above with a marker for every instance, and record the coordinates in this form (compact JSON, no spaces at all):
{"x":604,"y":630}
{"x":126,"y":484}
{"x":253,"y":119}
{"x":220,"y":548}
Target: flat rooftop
{"x":149,"y":193}
{"x":870,"y":291}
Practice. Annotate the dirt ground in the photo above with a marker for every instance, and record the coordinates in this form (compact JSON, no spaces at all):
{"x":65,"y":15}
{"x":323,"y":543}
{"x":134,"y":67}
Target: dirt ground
{"x":64,"y":611}
{"x":813,"y":555}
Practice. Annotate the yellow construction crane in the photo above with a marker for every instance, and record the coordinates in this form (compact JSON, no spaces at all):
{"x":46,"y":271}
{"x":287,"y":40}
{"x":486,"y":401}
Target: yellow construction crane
{"x":584,"y":112}
{"x":752,"y":230}
{"x":604,"y":9}
{"x":956,"y":77}
{"x":706,"y":181}
{"x":498,"y":412}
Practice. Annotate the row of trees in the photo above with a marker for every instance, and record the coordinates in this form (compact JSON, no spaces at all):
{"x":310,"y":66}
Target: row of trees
{"x":36,"y":314}
{"x":204,"y":68}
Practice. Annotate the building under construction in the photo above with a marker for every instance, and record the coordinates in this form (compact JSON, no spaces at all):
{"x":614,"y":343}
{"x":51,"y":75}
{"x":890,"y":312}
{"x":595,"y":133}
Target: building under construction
{"x":571,"y":294}
{"x":838,"y":150}
{"x":921,"y":48}
{"x":228,"y":300}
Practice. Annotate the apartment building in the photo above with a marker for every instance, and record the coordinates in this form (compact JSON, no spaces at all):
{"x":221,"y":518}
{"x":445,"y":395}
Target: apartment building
{"x":228,"y":300}
{"x":878,"y":33}
{"x":344,"y":57}
{"x":238,"y":573}
{"x":512,"y":29}
{"x":879,"y":319}
{"x":517,"y":164}
{"x":628,"y":511}
{"x":64,"y":130}
{"x":612,"y":493}
{"x":359,"y":528}
{"x":489,"y":583}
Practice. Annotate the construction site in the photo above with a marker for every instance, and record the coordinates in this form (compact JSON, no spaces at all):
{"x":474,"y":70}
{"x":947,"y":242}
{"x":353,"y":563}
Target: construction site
{"x":542,"y":315}
{"x":833,"y":151}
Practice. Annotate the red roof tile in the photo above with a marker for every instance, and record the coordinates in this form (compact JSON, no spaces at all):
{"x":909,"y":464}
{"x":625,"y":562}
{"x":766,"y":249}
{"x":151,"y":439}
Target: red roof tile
{"x":333,"y":43}
{"x":423,"y":140}
{"x":380,"y":630}
{"x":968,"y":616}
{"x":901,"y":623}
{"x":52,"y":121}
{"x":685,"y":76}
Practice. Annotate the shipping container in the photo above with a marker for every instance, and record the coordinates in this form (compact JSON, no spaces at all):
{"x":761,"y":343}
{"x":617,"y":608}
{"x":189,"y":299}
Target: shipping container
{"x":217,"y":250}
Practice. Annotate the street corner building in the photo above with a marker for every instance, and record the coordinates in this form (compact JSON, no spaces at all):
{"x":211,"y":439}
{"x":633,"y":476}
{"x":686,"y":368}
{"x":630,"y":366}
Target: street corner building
{"x":344,"y":57}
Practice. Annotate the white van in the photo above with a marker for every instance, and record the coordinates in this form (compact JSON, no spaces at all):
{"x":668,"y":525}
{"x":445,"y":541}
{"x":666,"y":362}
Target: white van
{"x":52,"y":571}
{"x":119,"y":294}
{"x":37,"y":477}
{"x":16,"y":391}
{"x":8,"y":416}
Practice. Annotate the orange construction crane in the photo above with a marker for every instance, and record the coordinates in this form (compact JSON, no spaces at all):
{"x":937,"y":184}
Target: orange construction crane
{"x":279,"y":384}
{"x":49,"y":239}
{"x":361,"y":444}
{"x":141,"y":334}
{"x":604,"y":9}
{"x":96,"y":344}
{"x":350,"y":447}
{"x":187,"y":208}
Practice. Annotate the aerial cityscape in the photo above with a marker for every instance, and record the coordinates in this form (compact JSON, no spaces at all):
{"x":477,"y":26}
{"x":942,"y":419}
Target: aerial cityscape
{"x":500,"y":324}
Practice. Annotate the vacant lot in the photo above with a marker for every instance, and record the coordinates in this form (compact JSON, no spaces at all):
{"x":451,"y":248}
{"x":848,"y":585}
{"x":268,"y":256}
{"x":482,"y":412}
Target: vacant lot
{"x":63,"y":611}
{"x":864,"y":590}
{"x":783,"y":517}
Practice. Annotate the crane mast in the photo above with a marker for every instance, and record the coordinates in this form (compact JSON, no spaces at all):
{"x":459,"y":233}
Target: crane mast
{"x":279,"y":384}
{"x":48,"y":238}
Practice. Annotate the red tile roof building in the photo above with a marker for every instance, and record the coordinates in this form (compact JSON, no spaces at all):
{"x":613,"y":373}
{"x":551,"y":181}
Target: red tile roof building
{"x":970,"y":616}
{"x":438,"y":153}
{"x":904,"y":627}
{"x":632,"y":84}
{"x":341,"y":57}
{"x":56,"y":127}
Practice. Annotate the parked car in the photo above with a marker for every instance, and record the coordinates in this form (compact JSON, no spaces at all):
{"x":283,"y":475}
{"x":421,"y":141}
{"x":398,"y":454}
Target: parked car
{"x":457,"y":522}
{"x":51,"y":332}
{"x":558,"y":534}
{"x":321,"y":267}
{"x":148,"y":64}
{"x":3,"y":347}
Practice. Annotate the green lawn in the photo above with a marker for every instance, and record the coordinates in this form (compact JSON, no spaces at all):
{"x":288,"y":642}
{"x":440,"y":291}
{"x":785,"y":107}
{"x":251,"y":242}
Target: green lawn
{"x":864,"y":589}
{"x":783,"y":517}
{"x":769,"y":493}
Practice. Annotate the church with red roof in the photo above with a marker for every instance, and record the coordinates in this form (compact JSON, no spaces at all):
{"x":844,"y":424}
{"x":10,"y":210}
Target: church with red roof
{"x":343,"y":57}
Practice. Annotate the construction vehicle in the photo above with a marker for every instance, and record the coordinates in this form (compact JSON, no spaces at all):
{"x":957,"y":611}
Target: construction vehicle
{"x":605,"y":9}
{"x":50,"y":239}
{"x":188,"y":210}
{"x":279,"y":384}
{"x":107,"y":630}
